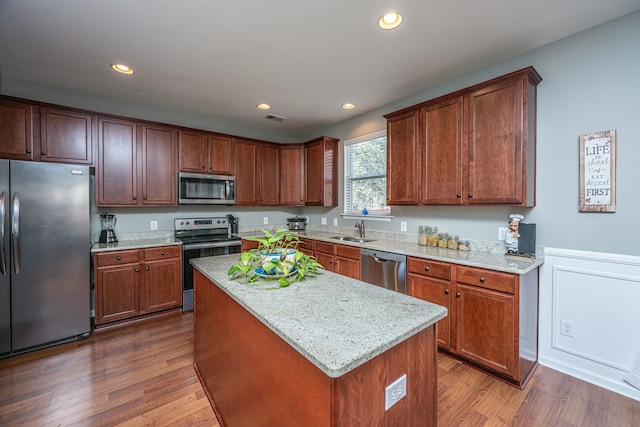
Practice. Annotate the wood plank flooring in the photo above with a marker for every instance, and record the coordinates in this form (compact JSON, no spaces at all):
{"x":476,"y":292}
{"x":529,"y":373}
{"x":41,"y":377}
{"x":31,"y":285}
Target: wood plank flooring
{"x":142,"y":375}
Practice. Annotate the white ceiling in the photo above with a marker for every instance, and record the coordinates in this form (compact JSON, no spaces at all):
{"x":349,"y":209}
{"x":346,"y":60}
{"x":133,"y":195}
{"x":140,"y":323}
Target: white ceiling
{"x":219,"y":59}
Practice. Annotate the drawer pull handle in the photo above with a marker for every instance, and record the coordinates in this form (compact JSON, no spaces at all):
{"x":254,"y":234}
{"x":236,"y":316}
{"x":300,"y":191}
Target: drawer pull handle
{"x":28,"y":151}
{"x":446,"y":291}
{"x":118,"y":258}
{"x":426,"y":268}
{"x":482,"y":280}
{"x":470,"y":195}
{"x":458,"y":195}
{"x":42,"y":153}
{"x":457,"y":294}
{"x":162,"y":253}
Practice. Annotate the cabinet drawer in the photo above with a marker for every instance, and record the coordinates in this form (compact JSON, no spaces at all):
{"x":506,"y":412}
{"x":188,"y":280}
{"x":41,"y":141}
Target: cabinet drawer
{"x":306,"y":244}
{"x":164,"y":252}
{"x":425,"y":267}
{"x":502,"y":282}
{"x":348,"y":252}
{"x":103,"y":259}
{"x":327,"y":248}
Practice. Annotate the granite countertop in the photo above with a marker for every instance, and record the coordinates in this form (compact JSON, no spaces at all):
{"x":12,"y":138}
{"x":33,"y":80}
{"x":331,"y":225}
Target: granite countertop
{"x":480,"y":259}
{"x":135,"y":244}
{"x":336,"y":322}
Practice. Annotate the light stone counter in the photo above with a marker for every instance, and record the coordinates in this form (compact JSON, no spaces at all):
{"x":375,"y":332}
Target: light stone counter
{"x":475,"y":258}
{"x":336,"y":322}
{"x":135,"y":244}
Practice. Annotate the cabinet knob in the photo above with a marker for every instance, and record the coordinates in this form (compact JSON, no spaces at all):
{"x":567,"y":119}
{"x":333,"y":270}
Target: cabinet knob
{"x":28,"y":151}
{"x":162,"y":253}
{"x":470,"y":195}
{"x":146,"y":269}
{"x":42,"y":153}
{"x":135,"y":198}
{"x":118,"y":258}
{"x":426,"y":268}
{"x":446,"y":291}
{"x":144,"y":198}
{"x":458,"y":195}
{"x":457,"y":294}
{"x":482,"y":280}
{"x":136,"y":270}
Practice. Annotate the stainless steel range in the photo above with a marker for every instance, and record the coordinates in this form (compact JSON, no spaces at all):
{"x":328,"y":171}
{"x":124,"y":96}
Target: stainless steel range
{"x":202,"y":237}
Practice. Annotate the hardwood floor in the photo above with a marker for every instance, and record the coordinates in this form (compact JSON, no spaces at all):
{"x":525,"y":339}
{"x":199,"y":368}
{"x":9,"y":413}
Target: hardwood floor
{"x":143,"y":375}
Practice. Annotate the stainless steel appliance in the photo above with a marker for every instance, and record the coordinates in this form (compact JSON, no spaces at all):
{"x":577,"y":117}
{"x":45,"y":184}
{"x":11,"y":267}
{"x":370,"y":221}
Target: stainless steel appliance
{"x":203,"y":189}
{"x":297,"y":223}
{"x":44,"y":255}
{"x":202,"y":237}
{"x":108,"y":233}
{"x":384,"y":269}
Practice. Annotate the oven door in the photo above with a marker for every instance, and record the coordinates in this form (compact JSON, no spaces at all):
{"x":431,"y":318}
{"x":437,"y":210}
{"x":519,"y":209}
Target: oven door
{"x":195,"y":251}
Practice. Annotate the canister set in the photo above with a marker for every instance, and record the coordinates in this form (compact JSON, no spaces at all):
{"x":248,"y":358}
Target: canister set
{"x":429,"y":236}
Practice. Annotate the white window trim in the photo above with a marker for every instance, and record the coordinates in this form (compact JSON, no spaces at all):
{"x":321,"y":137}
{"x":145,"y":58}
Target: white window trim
{"x":352,"y":215}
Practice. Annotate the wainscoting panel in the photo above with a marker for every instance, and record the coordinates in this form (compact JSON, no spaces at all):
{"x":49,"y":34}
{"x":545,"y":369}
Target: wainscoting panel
{"x":590,"y":316}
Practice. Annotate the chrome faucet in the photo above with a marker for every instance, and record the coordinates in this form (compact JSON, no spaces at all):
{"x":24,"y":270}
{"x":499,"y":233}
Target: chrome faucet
{"x":360,"y":227}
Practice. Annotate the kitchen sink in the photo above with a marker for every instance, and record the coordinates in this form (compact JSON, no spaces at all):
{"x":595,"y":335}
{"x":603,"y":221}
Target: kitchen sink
{"x":352,"y":239}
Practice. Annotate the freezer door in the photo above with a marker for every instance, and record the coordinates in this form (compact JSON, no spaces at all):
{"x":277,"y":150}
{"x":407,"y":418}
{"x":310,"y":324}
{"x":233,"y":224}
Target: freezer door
{"x":50,"y":295}
{"x":5,"y":275}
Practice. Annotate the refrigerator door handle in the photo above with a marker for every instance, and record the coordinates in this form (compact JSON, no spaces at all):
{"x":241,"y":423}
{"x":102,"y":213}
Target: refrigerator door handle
{"x":15,"y":231}
{"x":3,"y":257}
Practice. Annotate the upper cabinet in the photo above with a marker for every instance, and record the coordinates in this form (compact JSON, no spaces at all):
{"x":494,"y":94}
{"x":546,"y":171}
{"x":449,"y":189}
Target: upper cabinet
{"x":321,"y":175}
{"x":292,"y":175}
{"x":475,"y":146}
{"x":203,"y":152}
{"x":65,"y":136}
{"x":16,"y":128}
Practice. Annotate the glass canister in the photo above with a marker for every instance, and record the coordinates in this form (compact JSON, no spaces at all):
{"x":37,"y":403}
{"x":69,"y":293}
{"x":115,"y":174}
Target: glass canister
{"x":443,"y":239}
{"x":432,"y":239}
{"x":452,"y":242}
{"x":464,"y":246}
{"x":423,"y":235}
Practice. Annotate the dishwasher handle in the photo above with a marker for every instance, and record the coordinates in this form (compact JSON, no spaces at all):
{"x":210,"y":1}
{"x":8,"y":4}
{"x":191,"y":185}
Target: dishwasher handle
{"x":380,"y":256}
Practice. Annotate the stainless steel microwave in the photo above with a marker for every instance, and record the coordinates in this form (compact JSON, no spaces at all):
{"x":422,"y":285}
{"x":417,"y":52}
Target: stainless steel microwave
{"x":203,"y":189}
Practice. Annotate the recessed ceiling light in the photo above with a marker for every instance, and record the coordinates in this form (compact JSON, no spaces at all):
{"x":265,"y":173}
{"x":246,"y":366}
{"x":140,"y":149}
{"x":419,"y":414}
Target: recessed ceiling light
{"x":121,"y":68}
{"x":390,"y":21}
{"x":348,"y":106}
{"x":263,"y":106}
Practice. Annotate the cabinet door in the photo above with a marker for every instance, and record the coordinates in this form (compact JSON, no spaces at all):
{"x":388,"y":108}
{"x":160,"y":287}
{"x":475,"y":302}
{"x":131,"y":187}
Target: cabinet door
{"x":194,"y":151}
{"x":495,"y":144}
{"x":437,"y":292}
{"x":321,"y":172}
{"x":117,"y":294}
{"x":221,"y":155}
{"x":16,"y":130}
{"x":326,"y":260}
{"x":441,"y":165}
{"x":402,"y":159}
{"x":347,"y":267}
{"x":65,"y":136}
{"x":269,"y":174}
{"x":159,"y":166}
{"x":292,"y":175}
{"x":163,"y":285}
{"x":246,"y":153}
{"x":116,"y":171}
{"x":485,"y":328}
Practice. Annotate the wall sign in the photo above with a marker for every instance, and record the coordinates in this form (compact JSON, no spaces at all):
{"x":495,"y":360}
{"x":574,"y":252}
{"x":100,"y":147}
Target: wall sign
{"x":598,"y":172}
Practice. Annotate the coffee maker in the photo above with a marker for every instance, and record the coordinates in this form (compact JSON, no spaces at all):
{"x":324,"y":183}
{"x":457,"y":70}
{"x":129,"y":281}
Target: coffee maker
{"x":108,"y":234}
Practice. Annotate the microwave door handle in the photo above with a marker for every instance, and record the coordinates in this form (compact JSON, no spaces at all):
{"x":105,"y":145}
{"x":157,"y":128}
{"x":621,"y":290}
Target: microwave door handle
{"x":3,"y":257}
{"x":227,"y":189}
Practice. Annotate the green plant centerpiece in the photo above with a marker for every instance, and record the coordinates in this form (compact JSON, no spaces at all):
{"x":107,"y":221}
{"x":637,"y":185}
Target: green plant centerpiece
{"x":276,"y":259}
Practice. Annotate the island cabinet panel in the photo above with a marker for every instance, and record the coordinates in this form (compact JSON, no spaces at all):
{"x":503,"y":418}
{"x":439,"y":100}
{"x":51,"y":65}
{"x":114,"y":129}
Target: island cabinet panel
{"x":321,"y":172}
{"x":66,"y":136}
{"x":402,"y":159}
{"x":134,"y":284}
{"x":16,"y":128}
{"x":253,"y":377}
{"x":292,"y":175}
{"x":493,"y":317}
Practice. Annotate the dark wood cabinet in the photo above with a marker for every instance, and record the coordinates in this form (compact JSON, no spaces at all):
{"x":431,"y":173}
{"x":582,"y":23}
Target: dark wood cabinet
{"x":341,"y":259}
{"x":492,"y":319}
{"x":221,"y":155}
{"x":16,"y":128}
{"x":292,"y":175}
{"x":268,"y":183}
{"x":402,"y":159}
{"x":321,"y":174}
{"x":130,"y":284}
{"x":246,"y":154}
{"x":476,"y":146}
{"x":66,"y":136}
{"x":204,"y":152}
{"x":137,"y":164}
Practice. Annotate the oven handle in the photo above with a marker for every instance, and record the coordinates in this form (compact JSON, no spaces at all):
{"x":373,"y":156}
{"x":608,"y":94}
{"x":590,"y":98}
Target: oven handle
{"x":207,"y":245}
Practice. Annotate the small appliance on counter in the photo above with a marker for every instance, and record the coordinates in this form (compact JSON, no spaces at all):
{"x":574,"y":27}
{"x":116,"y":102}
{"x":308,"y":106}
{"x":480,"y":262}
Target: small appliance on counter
{"x":108,"y":233}
{"x":297,"y":223}
{"x":233,"y":225}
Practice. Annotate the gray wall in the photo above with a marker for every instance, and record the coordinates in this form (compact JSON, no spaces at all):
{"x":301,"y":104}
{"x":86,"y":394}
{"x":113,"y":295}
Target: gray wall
{"x":589,"y":84}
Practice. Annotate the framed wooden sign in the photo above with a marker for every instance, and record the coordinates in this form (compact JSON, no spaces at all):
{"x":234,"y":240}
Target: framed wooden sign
{"x":598,"y":172}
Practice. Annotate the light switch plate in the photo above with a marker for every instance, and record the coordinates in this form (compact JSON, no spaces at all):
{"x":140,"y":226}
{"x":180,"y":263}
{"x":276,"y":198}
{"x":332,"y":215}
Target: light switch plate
{"x":502,"y":233}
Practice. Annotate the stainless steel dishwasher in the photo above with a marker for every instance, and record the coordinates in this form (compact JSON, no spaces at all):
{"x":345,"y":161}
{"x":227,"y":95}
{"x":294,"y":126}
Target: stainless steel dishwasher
{"x":384,"y":269}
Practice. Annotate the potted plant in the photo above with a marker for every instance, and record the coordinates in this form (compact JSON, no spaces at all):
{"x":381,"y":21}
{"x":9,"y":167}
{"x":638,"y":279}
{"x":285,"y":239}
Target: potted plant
{"x":276,"y":258}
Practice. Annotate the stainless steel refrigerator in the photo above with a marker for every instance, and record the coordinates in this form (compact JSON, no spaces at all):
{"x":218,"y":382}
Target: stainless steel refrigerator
{"x":44,"y":254}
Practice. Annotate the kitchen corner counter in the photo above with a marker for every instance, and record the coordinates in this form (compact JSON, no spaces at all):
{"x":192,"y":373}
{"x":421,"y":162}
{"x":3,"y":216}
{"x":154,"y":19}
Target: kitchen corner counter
{"x":335,"y":322}
{"x":135,"y":244}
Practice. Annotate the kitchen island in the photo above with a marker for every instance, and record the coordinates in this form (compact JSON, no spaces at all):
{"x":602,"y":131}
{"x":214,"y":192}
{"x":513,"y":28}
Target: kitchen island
{"x":318,"y":353}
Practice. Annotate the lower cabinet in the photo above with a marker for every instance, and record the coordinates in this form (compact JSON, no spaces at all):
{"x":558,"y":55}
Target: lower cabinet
{"x":341,"y":259}
{"x":139,"y":282}
{"x":492,"y":321}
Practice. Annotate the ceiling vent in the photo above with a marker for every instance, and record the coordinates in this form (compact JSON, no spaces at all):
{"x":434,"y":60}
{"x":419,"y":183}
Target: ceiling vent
{"x":275,"y":117}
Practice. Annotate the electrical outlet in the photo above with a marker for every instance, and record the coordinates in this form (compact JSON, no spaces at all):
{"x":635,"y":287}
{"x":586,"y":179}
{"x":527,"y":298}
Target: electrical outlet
{"x":153,"y":225}
{"x":566,"y":328}
{"x":395,"y":391}
{"x":403,"y":225}
{"x":265,"y":220}
{"x":502,"y":233}
{"x":324,"y":220}
{"x":335,"y":222}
